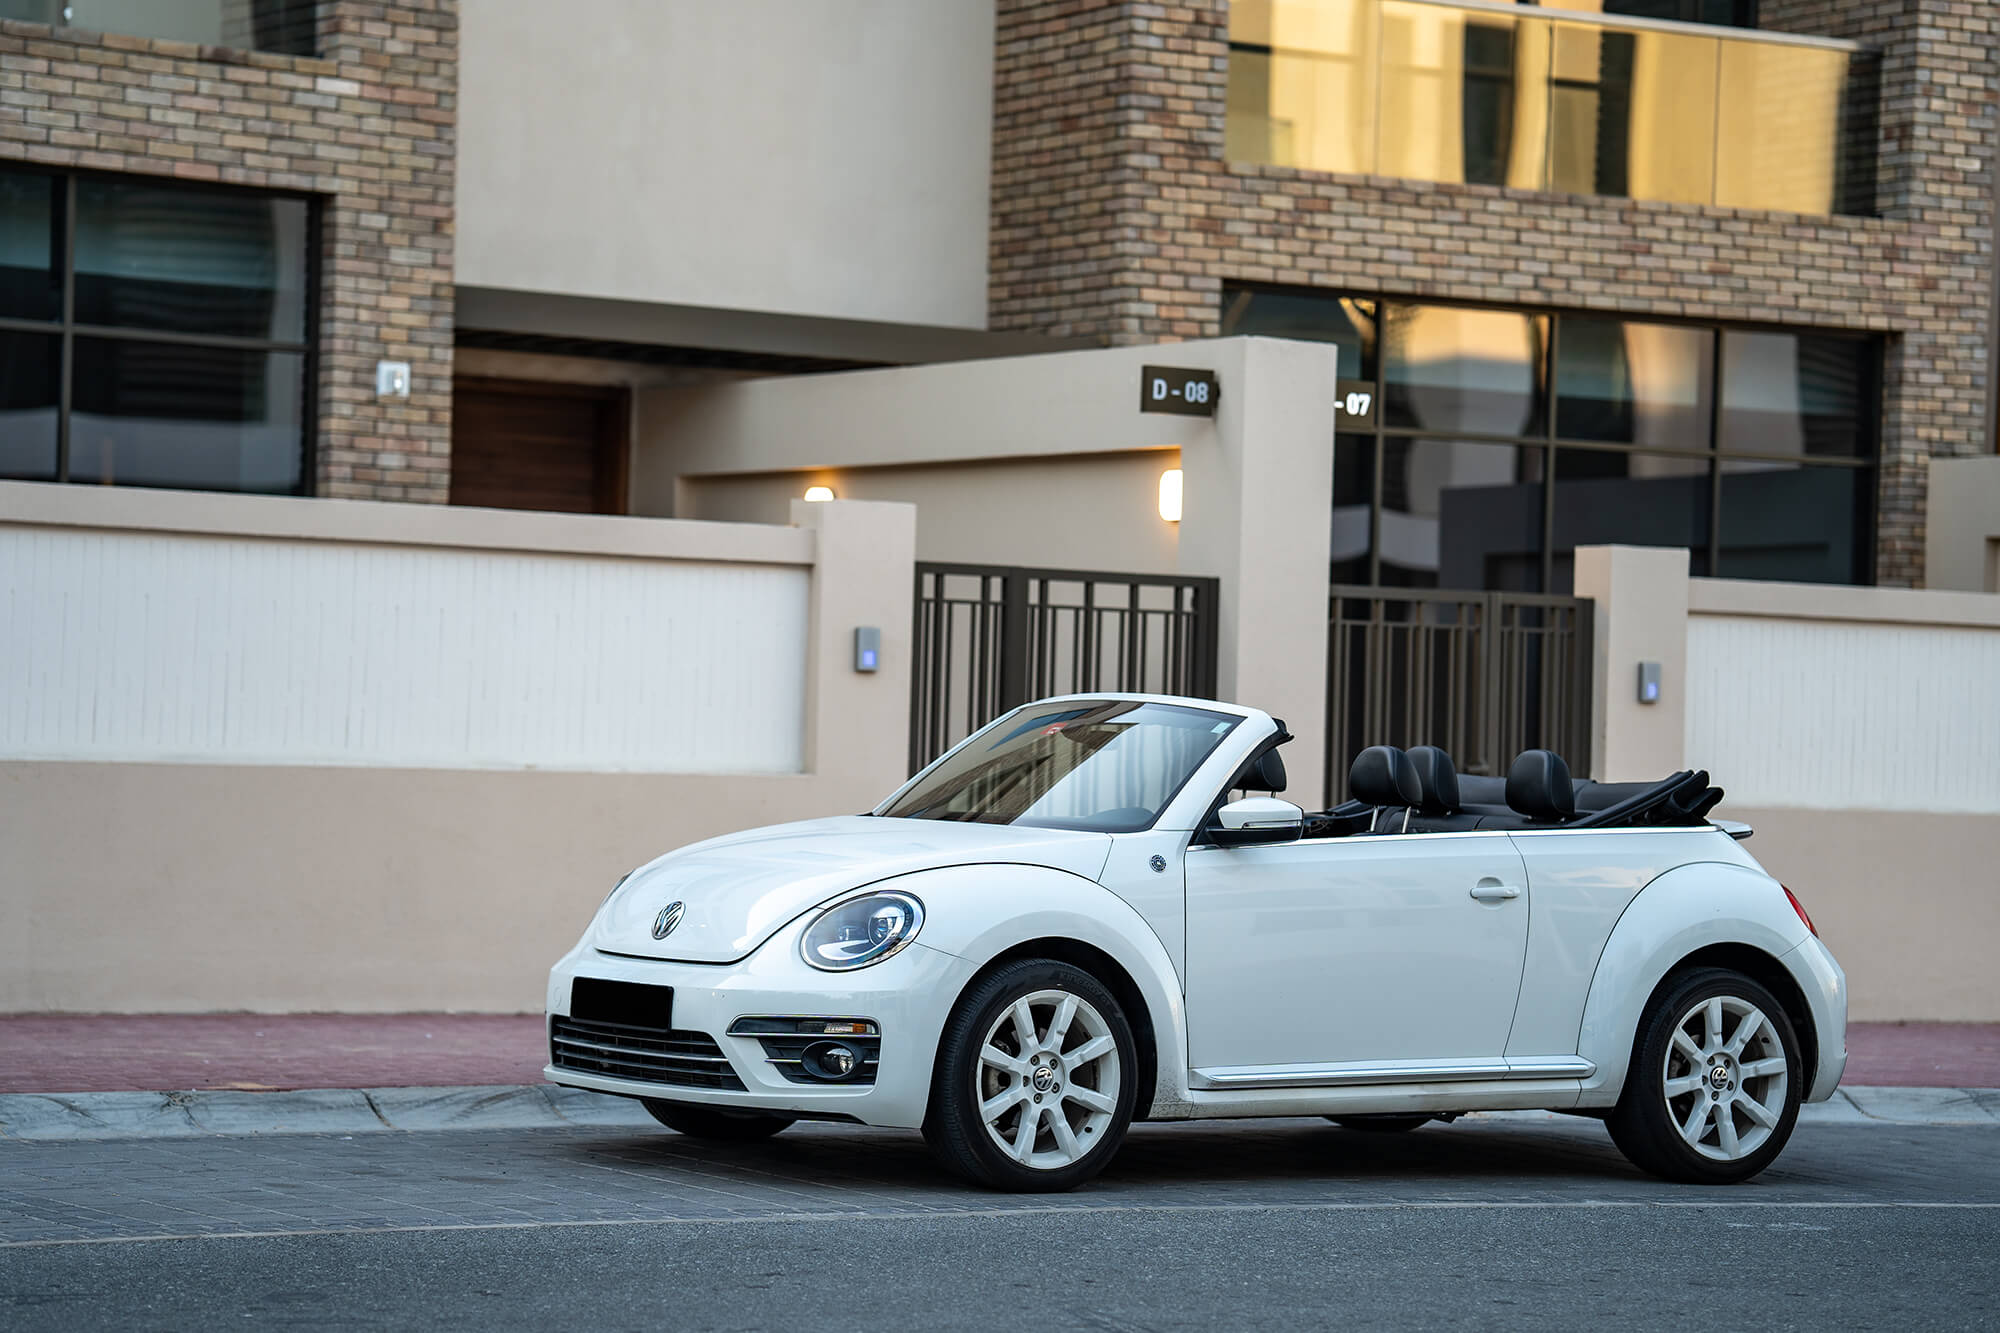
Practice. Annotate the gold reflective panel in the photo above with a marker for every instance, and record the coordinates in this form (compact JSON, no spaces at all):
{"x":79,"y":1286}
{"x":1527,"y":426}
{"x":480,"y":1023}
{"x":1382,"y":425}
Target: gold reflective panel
{"x":1792,"y":96}
{"x":1462,"y":96}
{"x":1633,"y":113}
{"x":1535,"y":101}
{"x":1308,"y":98}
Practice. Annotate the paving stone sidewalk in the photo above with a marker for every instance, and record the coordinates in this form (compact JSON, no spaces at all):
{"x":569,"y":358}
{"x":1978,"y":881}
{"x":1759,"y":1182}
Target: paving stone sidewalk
{"x":269,"y":1052}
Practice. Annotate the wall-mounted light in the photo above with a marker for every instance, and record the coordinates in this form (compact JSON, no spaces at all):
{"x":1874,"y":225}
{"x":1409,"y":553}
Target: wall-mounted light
{"x":1170,"y":495}
{"x":819,"y":494}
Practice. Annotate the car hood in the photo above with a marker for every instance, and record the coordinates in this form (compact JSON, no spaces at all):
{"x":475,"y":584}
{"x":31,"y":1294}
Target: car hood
{"x":738,"y":890}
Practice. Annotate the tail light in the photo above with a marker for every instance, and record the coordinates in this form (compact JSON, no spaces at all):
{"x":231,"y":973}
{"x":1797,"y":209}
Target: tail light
{"x":1800,"y":908}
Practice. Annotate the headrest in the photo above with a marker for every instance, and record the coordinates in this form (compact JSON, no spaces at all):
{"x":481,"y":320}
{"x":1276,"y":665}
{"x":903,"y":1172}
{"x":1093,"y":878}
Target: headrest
{"x":1268,"y":773}
{"x":1437,"y":779}
{"x":1383,"y":775}
{"x":1538,"y":786}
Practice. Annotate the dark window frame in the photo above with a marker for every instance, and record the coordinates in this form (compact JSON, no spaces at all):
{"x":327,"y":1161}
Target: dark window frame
{"x":68,"y":329}
{"x":1547,"y":441}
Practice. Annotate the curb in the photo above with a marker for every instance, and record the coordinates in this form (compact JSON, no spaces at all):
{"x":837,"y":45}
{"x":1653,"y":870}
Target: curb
{"x":172,"y":1115}
{"x":45,"y":1117}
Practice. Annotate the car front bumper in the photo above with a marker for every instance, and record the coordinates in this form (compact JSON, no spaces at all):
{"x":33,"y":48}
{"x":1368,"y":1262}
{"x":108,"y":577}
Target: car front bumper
{"x":907,"y":997}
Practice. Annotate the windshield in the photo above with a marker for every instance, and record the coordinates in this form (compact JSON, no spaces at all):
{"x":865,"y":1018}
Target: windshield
{"x":1108,"y":766}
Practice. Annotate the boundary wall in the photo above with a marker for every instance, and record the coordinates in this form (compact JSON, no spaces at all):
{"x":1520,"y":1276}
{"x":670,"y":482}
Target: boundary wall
{"x":217,"y":793}
{"x":1854,"y":729}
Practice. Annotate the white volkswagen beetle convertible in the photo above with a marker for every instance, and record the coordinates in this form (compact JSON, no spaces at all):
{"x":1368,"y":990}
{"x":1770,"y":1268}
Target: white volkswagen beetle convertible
{"x":1067,"y":923}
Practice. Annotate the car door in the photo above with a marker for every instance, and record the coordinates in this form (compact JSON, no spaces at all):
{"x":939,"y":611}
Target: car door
{"x":1366,"y":952}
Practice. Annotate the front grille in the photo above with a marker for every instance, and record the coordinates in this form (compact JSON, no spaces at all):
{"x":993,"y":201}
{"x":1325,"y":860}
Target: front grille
{"x":645,"y":1054}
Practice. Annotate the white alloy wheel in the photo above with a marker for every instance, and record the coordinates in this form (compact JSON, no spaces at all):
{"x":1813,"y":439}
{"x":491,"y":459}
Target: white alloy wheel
{"x":1047,"y":1079}
{"x":1725,"y":1078}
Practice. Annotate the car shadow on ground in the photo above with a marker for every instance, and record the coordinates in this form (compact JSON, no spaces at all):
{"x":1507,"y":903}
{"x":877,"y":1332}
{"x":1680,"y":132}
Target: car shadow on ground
{"x":1264,"y":1157}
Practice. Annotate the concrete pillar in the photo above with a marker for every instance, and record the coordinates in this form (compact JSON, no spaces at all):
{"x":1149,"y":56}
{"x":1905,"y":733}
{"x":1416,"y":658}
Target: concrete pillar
{"x":858,"y":723}
{"x":1257,"y":512}
{"x":1641,"y":594}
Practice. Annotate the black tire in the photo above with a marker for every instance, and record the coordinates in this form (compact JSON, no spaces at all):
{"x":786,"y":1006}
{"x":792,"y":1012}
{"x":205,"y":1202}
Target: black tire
{"x":720,"y":1126}
{"x":1649,"y":1130}
{"x":1381,"y":1124}
{"x":954,"y":1128}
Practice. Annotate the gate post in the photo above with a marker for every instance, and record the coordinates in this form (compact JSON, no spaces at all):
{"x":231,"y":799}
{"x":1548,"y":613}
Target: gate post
{"x":1013,"y":640}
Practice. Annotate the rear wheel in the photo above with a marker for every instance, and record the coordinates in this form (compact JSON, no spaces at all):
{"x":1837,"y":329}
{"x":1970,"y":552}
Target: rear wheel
{"x":1714,"y":1086}
{"x":708,"y":1122}
{"x":1381,"y":1124}
{"x":1035,"y":1079}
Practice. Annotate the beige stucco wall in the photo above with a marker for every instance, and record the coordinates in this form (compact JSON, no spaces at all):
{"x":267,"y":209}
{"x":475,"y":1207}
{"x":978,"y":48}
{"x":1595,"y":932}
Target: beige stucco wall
{"x":203,"y":885}
{"x":825,"y":159}
{"x":1962,"y":527}
{"x":1906,"y":902}
{"x":189,"y":888}
{"x":1105,"y":506}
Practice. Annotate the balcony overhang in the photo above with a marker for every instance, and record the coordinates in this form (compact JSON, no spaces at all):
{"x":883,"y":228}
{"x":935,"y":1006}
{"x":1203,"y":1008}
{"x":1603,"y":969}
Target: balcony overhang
{"x":492,"y":312}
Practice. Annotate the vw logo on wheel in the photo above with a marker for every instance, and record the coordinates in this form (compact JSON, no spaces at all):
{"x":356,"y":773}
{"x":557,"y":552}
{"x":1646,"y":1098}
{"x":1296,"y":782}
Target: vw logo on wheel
{"x":669,"y":917}
{"x":1045,"y":1078}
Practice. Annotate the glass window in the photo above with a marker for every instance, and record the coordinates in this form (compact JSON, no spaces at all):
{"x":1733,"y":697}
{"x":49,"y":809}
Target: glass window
{"x":190,"y":261}
{"x":1301,"y":83}
{"x":1630,"y":383}
{"x":285,"y":26}
{"x":1795,"y":523}
{"x":100,"y":396}
{"x":1607,"y":496}
{"x":1347,"y":324}
{"x":1632,"y":113}
{"x":1108,"y":766}
{"x":169,"y":414}
{"x":30,"y":284}
{"x":1461,"y":96}
{"x":1457,"y":514}
{"x":1353,"y":508}
{"x":1794,"y":95}
{"x":30,"y":391}
{"x":1452,"y":369}
{"x":1797,"y":393}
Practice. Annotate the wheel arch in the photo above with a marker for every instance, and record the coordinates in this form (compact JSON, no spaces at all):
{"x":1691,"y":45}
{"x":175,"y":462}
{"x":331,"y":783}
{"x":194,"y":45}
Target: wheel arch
{"x":1689,"y":916}
{"x":1768,"y":972}
{"x":1115,"y":978}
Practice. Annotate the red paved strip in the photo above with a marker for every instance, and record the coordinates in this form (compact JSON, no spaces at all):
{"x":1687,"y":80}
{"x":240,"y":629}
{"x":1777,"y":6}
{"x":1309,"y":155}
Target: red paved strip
{"x":135,"y":1052}
{"x":132,"y":1052}
{"x":1923,"y":1055}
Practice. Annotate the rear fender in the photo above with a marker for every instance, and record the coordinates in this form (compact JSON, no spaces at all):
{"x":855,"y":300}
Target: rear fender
{"x":1688,"y":908}
{"x":979,"y":912}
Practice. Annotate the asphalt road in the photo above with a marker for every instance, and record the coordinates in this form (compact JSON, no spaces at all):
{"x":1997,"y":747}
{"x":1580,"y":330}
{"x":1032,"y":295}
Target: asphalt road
{"x":1283,"y":1223}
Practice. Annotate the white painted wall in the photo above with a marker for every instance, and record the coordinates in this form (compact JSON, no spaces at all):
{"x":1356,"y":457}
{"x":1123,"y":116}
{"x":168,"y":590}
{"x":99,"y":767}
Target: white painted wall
{"x":180,"y":647}
{"x":1832,"y":713}
{"x":827,"y":158}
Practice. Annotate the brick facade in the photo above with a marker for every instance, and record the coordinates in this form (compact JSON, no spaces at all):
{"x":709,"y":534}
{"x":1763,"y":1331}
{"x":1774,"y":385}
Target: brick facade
{"x":368,"y":127}
{"x":1116,"y":216}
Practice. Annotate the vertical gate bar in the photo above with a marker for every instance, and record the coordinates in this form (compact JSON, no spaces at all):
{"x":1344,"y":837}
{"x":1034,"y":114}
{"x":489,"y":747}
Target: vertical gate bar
{"x":1013,"y":643}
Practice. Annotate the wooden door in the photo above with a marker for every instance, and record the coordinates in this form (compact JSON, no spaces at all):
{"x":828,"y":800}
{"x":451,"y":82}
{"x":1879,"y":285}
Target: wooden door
{"x":518,"y":444}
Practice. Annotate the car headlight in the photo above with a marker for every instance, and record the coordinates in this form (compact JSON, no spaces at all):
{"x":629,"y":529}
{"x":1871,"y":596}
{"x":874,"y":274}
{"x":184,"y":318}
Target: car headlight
{"x":861,"y":931}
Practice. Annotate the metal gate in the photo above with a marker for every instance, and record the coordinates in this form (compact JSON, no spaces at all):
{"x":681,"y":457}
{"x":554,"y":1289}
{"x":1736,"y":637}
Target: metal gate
{"x":1483,"y":675}
{"x":989,"y":637}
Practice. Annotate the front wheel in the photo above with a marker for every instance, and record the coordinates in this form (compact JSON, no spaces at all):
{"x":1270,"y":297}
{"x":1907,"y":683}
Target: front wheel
{"x":705,"y":1122}
{"x":1715,"y":1082}
{"x":1035,"y":1079}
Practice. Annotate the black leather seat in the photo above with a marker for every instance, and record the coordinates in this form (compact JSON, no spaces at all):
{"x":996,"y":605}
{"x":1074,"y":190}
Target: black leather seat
{"x":1538,"y":788}
{"x":1384,"y":777}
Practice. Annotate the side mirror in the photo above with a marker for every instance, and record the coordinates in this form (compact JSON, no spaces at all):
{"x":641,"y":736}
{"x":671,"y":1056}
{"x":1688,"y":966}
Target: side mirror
{"x":1258,"y":819}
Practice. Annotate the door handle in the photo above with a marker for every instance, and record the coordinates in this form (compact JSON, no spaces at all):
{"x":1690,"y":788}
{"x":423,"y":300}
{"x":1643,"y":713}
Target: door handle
{"x":1493,"y":891}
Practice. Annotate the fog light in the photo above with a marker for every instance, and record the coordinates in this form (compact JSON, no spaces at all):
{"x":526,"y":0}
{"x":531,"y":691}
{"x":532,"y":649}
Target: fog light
{"x":830,"y":1060}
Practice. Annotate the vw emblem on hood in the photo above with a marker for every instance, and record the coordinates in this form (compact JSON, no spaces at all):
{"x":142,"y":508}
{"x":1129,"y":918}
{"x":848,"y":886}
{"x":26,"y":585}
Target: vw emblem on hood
{"x":669,"y":917}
